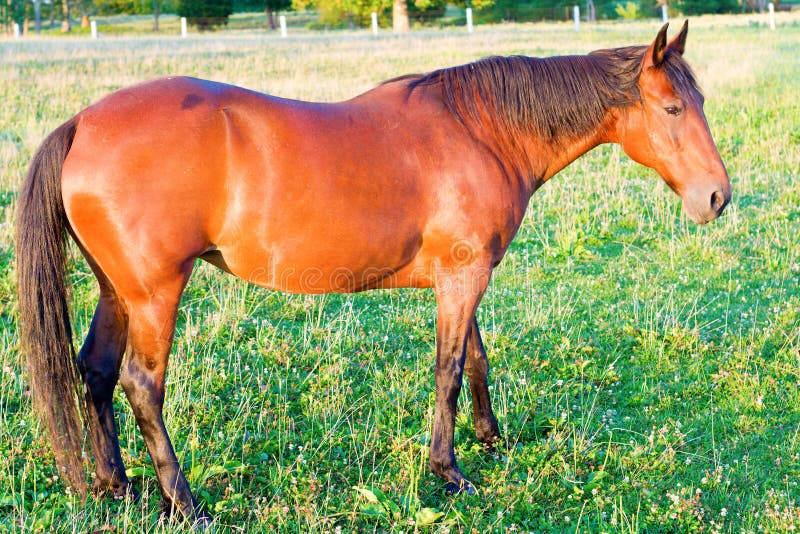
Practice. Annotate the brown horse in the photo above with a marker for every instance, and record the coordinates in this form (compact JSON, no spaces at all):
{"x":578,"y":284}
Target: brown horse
{"x":421,"y":182}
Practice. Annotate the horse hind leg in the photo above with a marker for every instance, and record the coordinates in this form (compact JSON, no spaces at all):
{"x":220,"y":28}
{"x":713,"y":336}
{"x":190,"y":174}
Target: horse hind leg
{"x":99,"y":362}
{"x":477,"y":369}
{"x":151,"y":330}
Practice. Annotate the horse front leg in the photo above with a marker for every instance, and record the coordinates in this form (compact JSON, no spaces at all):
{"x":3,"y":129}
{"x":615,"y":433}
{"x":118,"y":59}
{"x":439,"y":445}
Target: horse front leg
{"x":477,"y":368}
{"x":457,"y":297}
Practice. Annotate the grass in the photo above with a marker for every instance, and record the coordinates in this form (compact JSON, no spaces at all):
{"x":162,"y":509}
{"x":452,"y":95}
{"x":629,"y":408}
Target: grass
{"x":645,"y":371}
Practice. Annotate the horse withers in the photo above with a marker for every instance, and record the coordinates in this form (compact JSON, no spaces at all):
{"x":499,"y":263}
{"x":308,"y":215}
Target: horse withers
{"x":420,"y":182}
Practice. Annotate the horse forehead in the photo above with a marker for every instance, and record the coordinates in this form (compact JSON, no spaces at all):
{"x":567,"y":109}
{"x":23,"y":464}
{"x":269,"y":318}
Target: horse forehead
{"x":656,"y":83}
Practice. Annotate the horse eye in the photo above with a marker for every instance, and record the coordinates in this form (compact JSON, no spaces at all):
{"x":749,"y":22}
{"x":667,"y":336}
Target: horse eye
{"x":673,"y":110}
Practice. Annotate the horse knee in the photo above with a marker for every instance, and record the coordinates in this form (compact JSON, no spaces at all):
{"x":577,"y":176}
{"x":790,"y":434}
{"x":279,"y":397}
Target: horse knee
{"x":101,"y":354}
{"x":99,"y":370}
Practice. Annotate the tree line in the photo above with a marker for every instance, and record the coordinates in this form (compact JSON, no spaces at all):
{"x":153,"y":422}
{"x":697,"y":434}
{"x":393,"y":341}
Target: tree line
{"x":353,"y":13}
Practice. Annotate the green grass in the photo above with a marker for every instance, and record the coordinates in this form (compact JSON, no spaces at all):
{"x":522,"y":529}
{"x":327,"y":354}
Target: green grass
{"x":645,"y":371}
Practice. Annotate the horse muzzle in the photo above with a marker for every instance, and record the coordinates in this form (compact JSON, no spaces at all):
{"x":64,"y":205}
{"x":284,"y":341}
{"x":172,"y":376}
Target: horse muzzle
{"x":706,"y":204}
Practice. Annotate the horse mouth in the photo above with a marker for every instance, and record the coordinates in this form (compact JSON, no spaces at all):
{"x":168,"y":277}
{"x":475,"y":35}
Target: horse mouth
{"x":708,"y":211}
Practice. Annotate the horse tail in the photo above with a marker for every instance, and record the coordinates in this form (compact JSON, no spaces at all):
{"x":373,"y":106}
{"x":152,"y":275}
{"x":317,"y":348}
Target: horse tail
{"x":44,"y":328}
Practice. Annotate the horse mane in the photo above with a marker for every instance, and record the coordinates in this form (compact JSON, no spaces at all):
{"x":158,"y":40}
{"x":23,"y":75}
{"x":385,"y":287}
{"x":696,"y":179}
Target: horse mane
{"x":558,"y":99}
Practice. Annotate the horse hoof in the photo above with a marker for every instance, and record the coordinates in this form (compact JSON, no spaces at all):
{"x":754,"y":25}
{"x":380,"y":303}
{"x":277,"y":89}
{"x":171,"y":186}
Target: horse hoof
{"x":464,"y":487}
{"x":493,"y":443}
{"x":129,"y":493}
{"x":195,"y":515}
{"x":118,"y":492}
{"x":202,"y":521}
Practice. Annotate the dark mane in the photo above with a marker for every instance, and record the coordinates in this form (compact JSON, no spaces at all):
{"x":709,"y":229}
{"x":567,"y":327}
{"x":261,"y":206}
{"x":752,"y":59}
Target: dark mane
{"x":558,"y":98}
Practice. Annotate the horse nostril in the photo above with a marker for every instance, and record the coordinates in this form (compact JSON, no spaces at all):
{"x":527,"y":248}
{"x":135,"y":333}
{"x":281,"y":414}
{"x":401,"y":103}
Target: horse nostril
{"x":717,"y":201}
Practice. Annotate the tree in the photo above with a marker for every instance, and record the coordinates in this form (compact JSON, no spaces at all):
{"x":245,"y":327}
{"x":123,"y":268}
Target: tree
{"x":359,"y":12}
{"x":86,"y":9}
{"x":132,"y":7}
{"x":66,"y":24}
{"x":37,"y":15}
{"x":205,"y":13}
{"x":696,"y":7}
{"x":269,"y":7}
{"x":400,"y":16}
{"x":345,"y":12}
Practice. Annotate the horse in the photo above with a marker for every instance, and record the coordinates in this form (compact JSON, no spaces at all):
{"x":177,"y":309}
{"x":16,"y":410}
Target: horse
{"x":421,"y":182}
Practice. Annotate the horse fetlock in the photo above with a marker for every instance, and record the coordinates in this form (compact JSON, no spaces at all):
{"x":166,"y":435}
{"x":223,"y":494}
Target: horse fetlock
{"x":448,"y":470}
{"x":490,"y":438}
{"x":486,"y":429}
{"x":463,"y":486}
{"x":189,"y":509}
{"x":442,"y":466}
{"x":194,"y":514}
{"x":114,"y":488}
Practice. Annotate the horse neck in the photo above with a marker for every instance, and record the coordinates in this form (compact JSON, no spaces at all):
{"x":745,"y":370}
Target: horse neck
{"x":537,"y":115}
{"x":561,"y":155}
{"x":535,"y":160}
{"x":560,"y":124}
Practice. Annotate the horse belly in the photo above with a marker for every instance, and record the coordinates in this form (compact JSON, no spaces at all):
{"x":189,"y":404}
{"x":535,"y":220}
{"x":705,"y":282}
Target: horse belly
{"x":323,"y":260}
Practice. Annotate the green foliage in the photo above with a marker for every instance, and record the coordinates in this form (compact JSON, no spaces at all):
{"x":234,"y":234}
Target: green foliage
{"x":21,"y":10}
{"x":240,"y":6}
{"x":511,"y":10}
{"x":341,"y":13}
{"x":480,"y":4}
{"x":534,"y":10}
{"x":205,"y":13}
{"x":132,"y":7}
{"x":375,"y":504}
{"x":698,"y":7}
{"x":17,"y":11}
{"x":338,"y":13}
{"x":426,"y":8}
{"x":629,"y":11}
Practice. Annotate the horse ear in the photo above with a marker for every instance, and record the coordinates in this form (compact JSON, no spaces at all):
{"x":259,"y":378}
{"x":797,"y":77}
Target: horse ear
{"x":678,"y":43}
{"x":655,"y":54}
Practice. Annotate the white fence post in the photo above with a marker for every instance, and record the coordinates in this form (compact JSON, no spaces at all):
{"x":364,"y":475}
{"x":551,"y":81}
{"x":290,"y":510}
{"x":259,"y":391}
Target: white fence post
{"x":469,"y":20}
{"x":374,"y":23}
{"x":183,"y":27}
{"x":771,"y":16}
{"x":93,"y":25}
{"x":17,"y":33}
{"x":664,"y":14}
{"x":282,"y":20}
{"x":576,"y":14}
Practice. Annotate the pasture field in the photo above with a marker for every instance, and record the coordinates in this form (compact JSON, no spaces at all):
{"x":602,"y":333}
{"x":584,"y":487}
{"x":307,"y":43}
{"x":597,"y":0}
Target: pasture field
{"x":645,"y":371}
